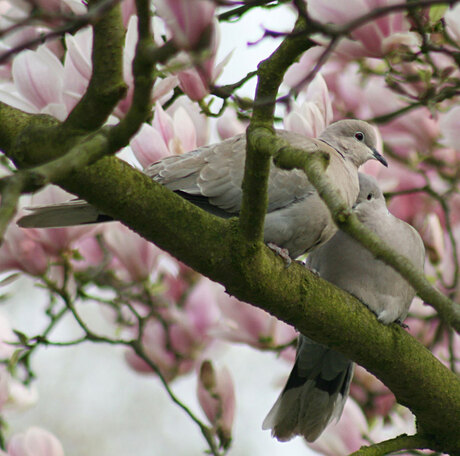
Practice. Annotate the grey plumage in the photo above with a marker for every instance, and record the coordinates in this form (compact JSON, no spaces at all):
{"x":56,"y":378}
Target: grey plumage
{"x":319,"y":383}
{"x":210,"y":177}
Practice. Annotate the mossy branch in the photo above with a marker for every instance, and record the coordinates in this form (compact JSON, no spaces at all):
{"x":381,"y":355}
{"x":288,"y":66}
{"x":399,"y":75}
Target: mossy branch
{"x":317,"y":308}
{"x":402,"y":442}
{"x":143,"y":66}
{"x":106,"y":87}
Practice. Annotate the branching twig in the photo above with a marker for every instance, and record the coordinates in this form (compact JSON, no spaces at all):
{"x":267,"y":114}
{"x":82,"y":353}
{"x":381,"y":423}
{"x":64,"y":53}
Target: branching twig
{"x":137,"y":346}
{"x":78,"y":23}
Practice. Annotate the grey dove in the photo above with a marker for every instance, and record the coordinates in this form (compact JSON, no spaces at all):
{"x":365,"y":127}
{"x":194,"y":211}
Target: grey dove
{"x":318,"y":385}
{"x":211,"y":177}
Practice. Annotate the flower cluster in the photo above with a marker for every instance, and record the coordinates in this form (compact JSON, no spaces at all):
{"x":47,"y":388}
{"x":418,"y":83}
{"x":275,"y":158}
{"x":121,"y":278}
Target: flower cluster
{"x":169,"y":317}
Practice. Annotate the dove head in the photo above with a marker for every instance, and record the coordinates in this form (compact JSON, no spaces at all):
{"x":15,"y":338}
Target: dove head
{"x":355,"y":140}
{"x":370,"y":194}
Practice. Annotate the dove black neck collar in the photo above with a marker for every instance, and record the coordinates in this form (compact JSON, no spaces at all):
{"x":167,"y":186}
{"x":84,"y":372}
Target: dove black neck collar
{"x":330,"y":145}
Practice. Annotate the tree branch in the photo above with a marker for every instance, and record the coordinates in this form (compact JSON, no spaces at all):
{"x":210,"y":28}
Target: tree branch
{"x":402,"y":442}
{"x":143,"y":66}
{"x":106,"y":87}
{"x":75,"y":23}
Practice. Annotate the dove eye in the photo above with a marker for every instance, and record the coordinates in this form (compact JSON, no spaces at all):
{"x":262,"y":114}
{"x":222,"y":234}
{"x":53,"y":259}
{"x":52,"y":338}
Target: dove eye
{"x":359,"y":136}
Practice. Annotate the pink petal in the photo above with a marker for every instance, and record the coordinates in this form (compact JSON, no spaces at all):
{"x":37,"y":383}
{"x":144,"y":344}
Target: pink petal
{"x":184,"y":130}
{"x":38,"y":75}
{"x":148,"y":146}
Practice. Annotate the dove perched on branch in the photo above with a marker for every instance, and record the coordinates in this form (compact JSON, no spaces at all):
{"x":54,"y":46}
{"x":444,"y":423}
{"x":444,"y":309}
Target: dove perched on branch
{"x":211,"y":177}
{"x":318,"y":385}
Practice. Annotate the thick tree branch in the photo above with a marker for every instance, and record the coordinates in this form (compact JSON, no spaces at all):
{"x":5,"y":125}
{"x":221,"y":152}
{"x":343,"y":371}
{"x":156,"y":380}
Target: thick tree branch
{"x":315,"y":307}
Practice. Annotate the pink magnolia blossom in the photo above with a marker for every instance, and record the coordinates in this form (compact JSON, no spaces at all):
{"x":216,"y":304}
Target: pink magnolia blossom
{"x":216,"y":395}
{"x":413,"y":133}
{"x":449,"y":125}
{"x":57,"y":240}
{"x":197,"y":80}
{"x":90,"y":253}
{"x":229,"y":125}
{"x":410,"y":207}
{"x":177,"y":342}
{"x":38,"y":82}
{"x":200,"y":121}
{"x":34,"y":441}
{"x":244,"y":323}
{"x":195,"y":83}
{"x":74,"y":6}
{"x":433,"y":236}
{"x":137,"y":258}
{"x":193,"y":321}
{"x":149,"y":146}
{"x":452,"y":19}
{"x":344,"y":436}
{"x":187,"y":20}
{"x":128,"y":9}
{"x":373,"y":39}
{"x":371,"y":393}
{"x":162,"y":86}
{"x":155,"y":341}
{"x":77,"y":65}
{"x":14,"y":395}
{"x":178,"y":284}
{"x":422,"y":324}
{"x":42,"y":84}
{"x":20,"y":251}
{"x":314,"y":114}
{"x":168,"y":135}
{"x":10,"y":14}
{"x":297,"y":72}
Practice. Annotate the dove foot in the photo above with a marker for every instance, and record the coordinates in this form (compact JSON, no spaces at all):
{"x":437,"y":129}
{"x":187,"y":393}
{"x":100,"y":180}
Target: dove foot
{"x":313,"y":270}
{"x":403,"y":325}
{"x":283,"y":253}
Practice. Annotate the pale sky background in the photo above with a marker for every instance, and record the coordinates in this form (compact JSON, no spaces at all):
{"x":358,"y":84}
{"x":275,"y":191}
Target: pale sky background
{"x":97,"y":406}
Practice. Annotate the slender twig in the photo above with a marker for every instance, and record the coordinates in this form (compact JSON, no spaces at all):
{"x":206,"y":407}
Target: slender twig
{"x":137,"y":346}
{"x":337,"y":33}
{"x":79,"y":22}
{"x":237,"y":13}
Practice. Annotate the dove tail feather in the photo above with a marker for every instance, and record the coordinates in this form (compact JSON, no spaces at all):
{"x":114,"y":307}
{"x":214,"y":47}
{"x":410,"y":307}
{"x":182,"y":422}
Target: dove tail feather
{"x":313,"y":396}
{"x":60,"y":215}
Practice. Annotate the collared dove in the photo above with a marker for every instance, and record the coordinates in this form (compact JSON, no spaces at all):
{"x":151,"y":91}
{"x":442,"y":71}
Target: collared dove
{"x":318,"y":385}
{"x":210,"y":177}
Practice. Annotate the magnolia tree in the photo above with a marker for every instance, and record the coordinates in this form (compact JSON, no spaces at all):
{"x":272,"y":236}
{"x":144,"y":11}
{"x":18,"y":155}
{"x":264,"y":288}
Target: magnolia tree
{"x":81,"y":81}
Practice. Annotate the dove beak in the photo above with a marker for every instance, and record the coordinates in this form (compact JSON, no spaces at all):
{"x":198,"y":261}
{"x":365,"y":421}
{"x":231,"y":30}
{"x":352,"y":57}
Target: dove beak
{"x":379,"y":157}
